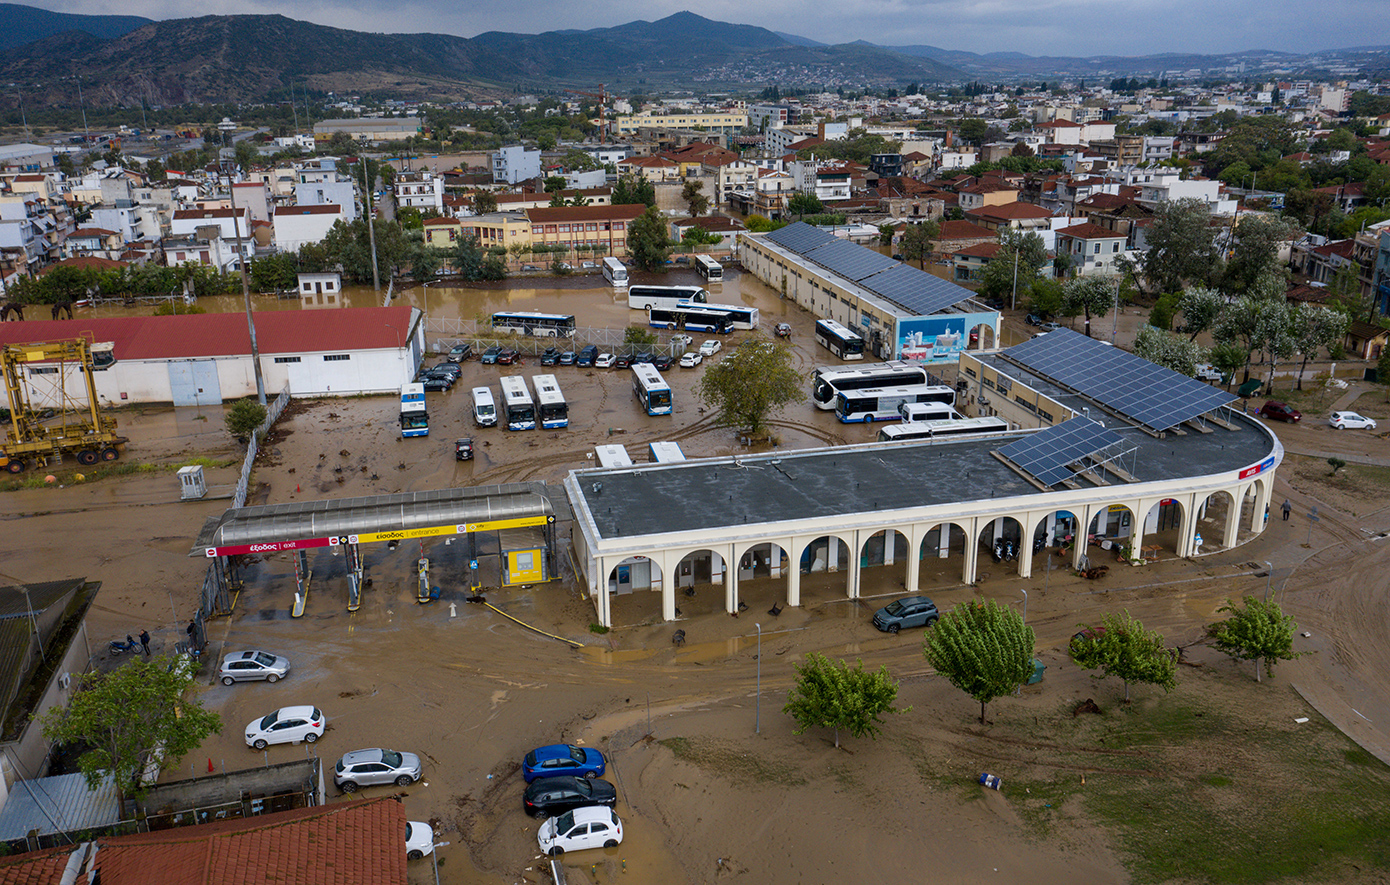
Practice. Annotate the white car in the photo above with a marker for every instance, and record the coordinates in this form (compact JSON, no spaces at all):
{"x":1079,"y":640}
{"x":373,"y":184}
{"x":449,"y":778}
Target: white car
{"x":691,"y":358}
{"x":419,"y":839}
{"x":604,"y":361}
{"x":1208,"y":372}
{"x":287,"y":725}
{"x":1343,"y":420}
{"x":682,"y":340}
{"x":710,"y":348}
{"x":592,"y":827}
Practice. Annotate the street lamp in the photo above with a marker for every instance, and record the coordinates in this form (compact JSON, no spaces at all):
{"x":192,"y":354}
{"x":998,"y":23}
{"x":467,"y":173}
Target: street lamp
{"x":758,"y":698}
{"x":1025,"y":604}
{"x":1269,"y":576}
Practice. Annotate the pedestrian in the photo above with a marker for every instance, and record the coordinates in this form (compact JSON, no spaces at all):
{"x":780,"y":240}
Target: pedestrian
{"x":1287,"y":508}
{"x":145,"y":641}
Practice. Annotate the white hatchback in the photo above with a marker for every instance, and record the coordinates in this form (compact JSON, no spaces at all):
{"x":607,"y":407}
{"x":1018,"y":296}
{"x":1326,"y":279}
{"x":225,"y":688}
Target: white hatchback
{"x":1343,"y":420}
{"x":691,"y":358}
{"x":419,"y":839}
{"x":287,"y":725}
{"x":581,"y":828}
{"x":710,"y":348}
{"x":604,"y":361}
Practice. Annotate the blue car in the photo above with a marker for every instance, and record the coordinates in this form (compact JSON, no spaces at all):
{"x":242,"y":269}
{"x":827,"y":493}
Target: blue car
{"x":562,"y":759}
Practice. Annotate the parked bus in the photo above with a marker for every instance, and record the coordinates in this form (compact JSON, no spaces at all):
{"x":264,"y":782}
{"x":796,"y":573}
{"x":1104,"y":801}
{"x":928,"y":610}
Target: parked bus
{"x":612,"y":456}
{"x":916,"y":412}
{"x":942,"y":429}
{"x":666,"y":452}
{"x":550,"y":402}
{"x":649,"y":297}
{"x":839,"y":340}
{"x":534,"y":324}
{"x":415,"y":420}
{"x":615,"y":272}
{"x":651,"y":389}
{"x":827,"y":381}
{"x":740,"y":317}
{"x":881,"y":403}
{"x":517,"y":406}
{"x":709,"y":268}
{"x":484,"y":408}
{"x":690,"y":319}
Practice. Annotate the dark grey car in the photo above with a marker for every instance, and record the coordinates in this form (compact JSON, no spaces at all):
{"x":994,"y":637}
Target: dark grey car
{"x":911,"y":611}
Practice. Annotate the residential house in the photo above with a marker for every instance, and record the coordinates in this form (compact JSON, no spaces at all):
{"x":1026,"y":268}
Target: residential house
{"x":985,"y":193}
{"x":653,"y":169}
{"x":1116,"y":212}
{"x":442,"y":233}
{"x":96,"y":242}
{"x":601,"y":230}
{"x":768,"y":196}
{"x":829,"y":180}
{"x":207,"y":246}
{"x":421,"y":189}
{"x":726,"y":173}
{"x":725,"y":227}
{"x":1091,"y":248}
{"x":1122,"y":150}
{"x":957,"y":235}
{"x":513,"y":163}
{"x":968,"y":261}
{"x":1365,"y":341}
{"x":1015,"y":216}
{"x":232,"y":223}
{"x":298,"y":225}
{"x":318,"y":290}
{"x":254,"y":197}
{"x":337,"y":191}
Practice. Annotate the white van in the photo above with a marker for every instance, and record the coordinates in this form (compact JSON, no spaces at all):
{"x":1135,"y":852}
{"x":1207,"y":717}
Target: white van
{"x":484,"y":409}
{"x":913,"y":413}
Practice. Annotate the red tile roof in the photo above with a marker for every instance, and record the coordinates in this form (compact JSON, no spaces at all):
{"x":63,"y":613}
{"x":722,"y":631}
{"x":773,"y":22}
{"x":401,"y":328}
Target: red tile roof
{"x":36,"y":868}
{"x":964,"y":230}
{"x":1088,"y":231}
{"x":91,"y":232}
{"x":1010,"y":211}
{"x":979,"y":250}
{"x":202,"y":214}
{"x":323,"y":209}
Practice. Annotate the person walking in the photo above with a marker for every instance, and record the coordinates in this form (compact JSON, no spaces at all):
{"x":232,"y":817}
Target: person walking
{"x":1287,"y":508}
{"x":145,"y":641}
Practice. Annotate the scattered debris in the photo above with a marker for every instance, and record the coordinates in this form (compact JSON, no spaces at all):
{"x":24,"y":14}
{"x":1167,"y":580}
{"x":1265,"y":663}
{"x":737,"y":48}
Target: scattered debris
{"x":1086,"y":706}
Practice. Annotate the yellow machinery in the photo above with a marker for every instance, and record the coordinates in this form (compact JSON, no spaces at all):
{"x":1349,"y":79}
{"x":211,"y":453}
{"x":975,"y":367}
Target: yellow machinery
{"x":67,"y":418}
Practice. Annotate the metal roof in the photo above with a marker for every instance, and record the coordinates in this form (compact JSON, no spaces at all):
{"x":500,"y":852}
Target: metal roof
{"x":800,"y":237}
{"x":918,"y":291}
{"x":1046,"y":454}
{"x":58,"y":804}
{"x":850,"y":260}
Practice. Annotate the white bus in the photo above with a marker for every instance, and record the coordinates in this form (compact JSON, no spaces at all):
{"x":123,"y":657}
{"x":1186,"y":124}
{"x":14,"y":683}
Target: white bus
{"x":517,"y":406}
{"x":916,"y":412}
{"x":534,"y":324}
{"x":942,"y":429}
{"x":615,"y":272}
{"x":484,"y":408}
{"x":881,"y":403}
{"x":839,"y":340}
{"x":612,"y":456}
{"x":651,"y":389}
{"x":709,"y":268}
{"x":648,"y":297}
{"x":415,"y":420}
{"x":550,"y":402}
{"x":740,"y":317}
{"x":692,"y":319}
{"x":827,"y":381}
{"x":666,"y":452}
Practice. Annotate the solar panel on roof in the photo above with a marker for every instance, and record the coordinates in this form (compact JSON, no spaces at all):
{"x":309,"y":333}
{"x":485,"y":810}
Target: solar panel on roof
{"x":916,"y":290}
{"x":1154,"y":396}
{"x":851,"y":261}
{"x":800,"y":237}
{"x":1047,"y":453}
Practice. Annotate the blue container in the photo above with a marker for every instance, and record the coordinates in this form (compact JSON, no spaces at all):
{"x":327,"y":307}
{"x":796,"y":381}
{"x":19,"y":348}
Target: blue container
{"x":990,"y":782}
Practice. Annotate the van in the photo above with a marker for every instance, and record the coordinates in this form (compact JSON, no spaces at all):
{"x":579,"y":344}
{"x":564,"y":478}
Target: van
{"x":484,"y":409}
{"x":586,"y":355}
{"x":913,"y":413}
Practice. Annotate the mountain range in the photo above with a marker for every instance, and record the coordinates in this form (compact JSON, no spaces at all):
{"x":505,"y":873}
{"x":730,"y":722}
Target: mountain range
{"x":241,"y":58}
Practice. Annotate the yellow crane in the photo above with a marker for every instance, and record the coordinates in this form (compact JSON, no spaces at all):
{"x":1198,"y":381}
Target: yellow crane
{"x":52,"y":412}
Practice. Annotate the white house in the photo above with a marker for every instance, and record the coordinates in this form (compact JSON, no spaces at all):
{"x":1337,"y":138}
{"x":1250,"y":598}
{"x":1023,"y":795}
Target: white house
{"x":420,"y":190}
{"x":320,"y":192}
{"x":186,"y":222}
{"x":514,"y":163}
{"x":297,"y":225}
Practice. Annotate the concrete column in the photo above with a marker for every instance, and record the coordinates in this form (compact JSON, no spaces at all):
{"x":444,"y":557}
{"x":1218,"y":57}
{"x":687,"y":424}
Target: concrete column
{"x":852,"y":585}
{"x":1078,"y":550}
{"x":1231,"y":530}
{"x":1136,"y":527}
{"x":914,"y":557}
{"x":1264,"y":491}
{"x":890,"y":544}
{"x":730,"y":582}
{"x":793,"y":573}
{"x":972,"y":551}
{"x":668,"y":587}
{"x":1025,"y":544}
{"x":604,"y":610}
{"x":832,"y":555}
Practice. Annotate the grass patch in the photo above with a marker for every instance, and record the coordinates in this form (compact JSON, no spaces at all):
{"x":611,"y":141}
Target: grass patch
{"x":598,"y":628}
{"x":1313,"y":399}
{"x":1367,"y":483}
{"x":726,"y":761}
{"x":66,"y":476}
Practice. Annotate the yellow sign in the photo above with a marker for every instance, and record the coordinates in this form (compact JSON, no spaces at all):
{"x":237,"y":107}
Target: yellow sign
{"x":499,"y":524}
{"x":437,"y":530}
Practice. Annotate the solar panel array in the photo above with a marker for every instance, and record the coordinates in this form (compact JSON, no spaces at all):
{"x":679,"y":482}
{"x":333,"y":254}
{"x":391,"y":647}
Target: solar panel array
{"x":850,"y":261}
{"x":1150,"y":394}
{"x":1046,"y":454}
{"x":916,"y":290}
{"x":800,"y":237}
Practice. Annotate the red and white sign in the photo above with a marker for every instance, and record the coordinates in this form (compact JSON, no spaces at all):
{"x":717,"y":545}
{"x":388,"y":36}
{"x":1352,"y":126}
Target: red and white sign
{"x":270,"y":547}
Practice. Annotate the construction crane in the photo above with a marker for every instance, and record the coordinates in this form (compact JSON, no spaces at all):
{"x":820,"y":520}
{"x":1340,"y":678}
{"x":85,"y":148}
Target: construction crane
{"x":67,"y":418}
{"x":603,"y":97}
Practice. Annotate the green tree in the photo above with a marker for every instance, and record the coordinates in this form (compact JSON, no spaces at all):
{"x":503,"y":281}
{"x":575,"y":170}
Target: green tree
{"x":1259,"y":631}
{"x":638,"y":338}
{"x":1122,"y":647}
{"x":973,"y":130}
{"x":1228,"y":359}
{"x":631,"y":191}
{"x":474,"y":264}
{"x":1044,"y":298}
{"x":831,"y":694}
{"x":917,"y":242}
{"x":1163,"y":311}
{"x":1168,"y":350}
{"x":997,"y":277}
{"x":984,"y":650}
{"x":576,"y":160}
{"x":1256,"y":252}
{"x":1089,"y":297}
{"x":759,"y":224}
{"x":1383,"y":372}
{"x":1200,"y":307}
{"x":649,"y":240}
{"x":130,"y":717}
{"x":885,"y":234}
{"x":244,"y":417}
{"x":694,"y":199}
{"x":1316,"y":328}
{"x":751,"y":383}
{"x":484,"y":203}
{"x":803,"y":204}
{"x":1181,"y":249}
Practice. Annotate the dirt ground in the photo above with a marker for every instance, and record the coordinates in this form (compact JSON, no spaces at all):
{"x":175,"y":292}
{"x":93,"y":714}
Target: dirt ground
{"x":712,"y":782}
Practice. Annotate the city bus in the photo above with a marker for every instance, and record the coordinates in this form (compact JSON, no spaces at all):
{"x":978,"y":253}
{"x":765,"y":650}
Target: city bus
{"x":534,"y":324}
{"x":740,"y":317}
{"x":649,"y":297}
{"x":827,"y":381}
{"x":415,"y":421}
{"x":550,"y":402}
{"x":612,"y":455}
{"x":942,"y":429}
{"x":709,"y":268}
{"x":690,"y":319}
{"x":839,"y":340}
{"x":517,"y":406}
{"x":651,"y":389}
{"x":615,"y":272}
{"x":881,"y":403}
{"x":666,"y":452}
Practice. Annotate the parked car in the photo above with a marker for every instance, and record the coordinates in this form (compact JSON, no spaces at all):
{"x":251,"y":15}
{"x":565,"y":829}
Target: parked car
{"x":580,"y":829}
{"x":910,"y":611}
{"x":490,"y":355}
{"x":419,"y":839}
{"x":682,"y":259}
{"x":1049,"y":326}
{"x":529,"y":267}
{"x":508,"y":356}
{"x":1277,"y":411}
{"x":1033,"y":319}
{"x":586,"y":355}
{"x":567,"y":358}
{"x":245,"y":666}
{"x":460,"y":352}
{"x":681,"y":340}
{"x":286,"y":725}
{"x":550,"y":357}
{"x":588,"y":265}
{"x":365,"y":768}
{"x":643,"y":357}
{"x":710,"y":347}
{"x":449,"y":370}
{"x":437,"y":383}
{"x":1343,"y":420}
{"x":622,"y":361}
{"x":549,"y":796}
{"x":604,"y":360}
{"x":783,"y":330}
{"x":557,"y":759}
{"x":1208,"y":372}
{"x":691,"y":358}
{"x":661,"y":362}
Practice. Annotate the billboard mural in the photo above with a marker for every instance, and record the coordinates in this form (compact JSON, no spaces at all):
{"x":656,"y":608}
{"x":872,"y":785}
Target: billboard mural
{"x":939,"y":338}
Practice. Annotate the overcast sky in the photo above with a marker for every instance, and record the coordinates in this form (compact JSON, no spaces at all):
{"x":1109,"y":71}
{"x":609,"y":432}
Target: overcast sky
{"x":1035,"y":27}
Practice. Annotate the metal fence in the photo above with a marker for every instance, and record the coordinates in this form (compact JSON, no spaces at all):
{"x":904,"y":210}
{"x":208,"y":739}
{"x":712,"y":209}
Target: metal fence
{"x":390,"y":292}
{"x":244,"y":483}
{"x":445,"y":332}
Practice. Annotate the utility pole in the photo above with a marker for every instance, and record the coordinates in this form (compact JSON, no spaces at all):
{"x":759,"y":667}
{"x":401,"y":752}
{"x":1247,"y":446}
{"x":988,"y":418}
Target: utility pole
{"x":246,"y":290}
{"x":1014,"y":303}
{"x":371,"y":227}
{"x":83,"y":105}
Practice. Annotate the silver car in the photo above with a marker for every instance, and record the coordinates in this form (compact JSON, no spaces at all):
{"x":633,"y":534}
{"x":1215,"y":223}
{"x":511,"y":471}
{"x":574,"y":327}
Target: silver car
{"x":244,"y":666}
{"x":362,"y":768}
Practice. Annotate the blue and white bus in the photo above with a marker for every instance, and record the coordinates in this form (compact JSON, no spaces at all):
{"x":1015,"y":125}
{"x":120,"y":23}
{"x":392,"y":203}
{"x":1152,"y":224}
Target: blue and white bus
{"x":691,"y":319}
{"x":415,"y":420}
{"x":651,"y":389}
{"x":828,"y":381}
{"x":517,"y":406}
{"x":709,"y":268}
{"x":649,"y":297}
{"x":740,"y":317}
{"x":534,"y":324}
{"x":614,"y":272}
{"x":839,"y":340}
{"x":943,"y":429}
{"x":550,"y":402}
{"x":881,"y":403}
{"x":666,"y":452}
